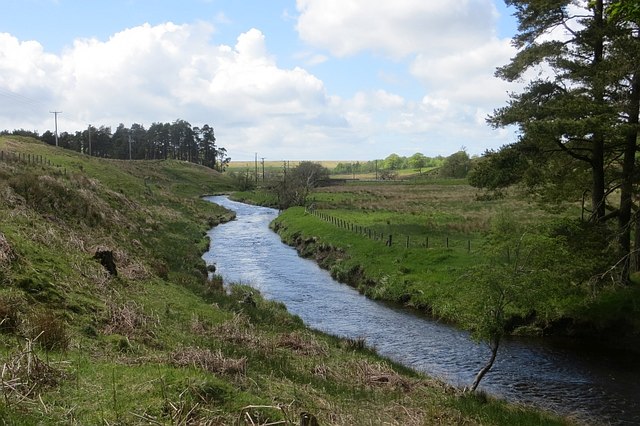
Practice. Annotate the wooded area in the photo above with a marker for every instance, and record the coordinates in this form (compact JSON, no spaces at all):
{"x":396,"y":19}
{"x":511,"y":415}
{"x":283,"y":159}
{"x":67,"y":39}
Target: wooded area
{"x":178,"y":141}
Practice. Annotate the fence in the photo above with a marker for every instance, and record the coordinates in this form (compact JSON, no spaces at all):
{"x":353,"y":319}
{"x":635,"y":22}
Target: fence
{"x":389,"y":239}
{"x":24,"y":157}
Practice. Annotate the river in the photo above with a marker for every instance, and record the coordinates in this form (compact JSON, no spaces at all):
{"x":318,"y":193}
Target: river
{"x":594,"y":387}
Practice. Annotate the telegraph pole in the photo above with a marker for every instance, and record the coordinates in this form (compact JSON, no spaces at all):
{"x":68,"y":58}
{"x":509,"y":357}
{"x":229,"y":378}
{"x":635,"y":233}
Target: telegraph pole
{"x":262,"y":169}
{"x":89,"y":131}
{"x":55,"y":115}
{"x":129,"y":146}
{"x":257,"y":168}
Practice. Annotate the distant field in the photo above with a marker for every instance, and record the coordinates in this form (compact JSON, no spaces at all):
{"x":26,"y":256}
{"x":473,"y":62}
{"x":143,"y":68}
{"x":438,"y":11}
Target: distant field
{"x":235,"y":165}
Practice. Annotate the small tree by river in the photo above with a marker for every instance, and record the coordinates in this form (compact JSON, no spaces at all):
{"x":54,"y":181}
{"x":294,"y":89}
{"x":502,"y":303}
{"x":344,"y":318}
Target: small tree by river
{"x":526,"y":269}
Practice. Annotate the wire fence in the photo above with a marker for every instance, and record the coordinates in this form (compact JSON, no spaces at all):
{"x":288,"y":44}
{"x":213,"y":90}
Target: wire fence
{"x":27,"y":159}
{"x":390,"y":239}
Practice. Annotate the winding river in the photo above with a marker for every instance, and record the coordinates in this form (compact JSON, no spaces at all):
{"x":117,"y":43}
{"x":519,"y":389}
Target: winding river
{"x":596,"y":388}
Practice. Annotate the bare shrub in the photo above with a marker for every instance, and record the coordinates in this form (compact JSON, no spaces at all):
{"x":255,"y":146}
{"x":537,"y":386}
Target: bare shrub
{"x":49,"y":330}
{"x":205,"y":359}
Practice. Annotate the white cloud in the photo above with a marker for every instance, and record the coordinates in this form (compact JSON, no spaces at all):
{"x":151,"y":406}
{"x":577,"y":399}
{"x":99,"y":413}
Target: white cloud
{"x":395,"y":29}
{"x":159,"y":73}
{"x":148,"y":73}
{"x":451,"y":49}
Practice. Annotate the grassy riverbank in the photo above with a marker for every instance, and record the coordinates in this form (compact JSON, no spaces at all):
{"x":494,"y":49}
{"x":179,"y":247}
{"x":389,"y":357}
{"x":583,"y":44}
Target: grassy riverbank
{"x":158,"y":343}
{"x":439,"y":232}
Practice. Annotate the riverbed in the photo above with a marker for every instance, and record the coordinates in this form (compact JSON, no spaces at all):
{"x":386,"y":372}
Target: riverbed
{"x":593,"y":386}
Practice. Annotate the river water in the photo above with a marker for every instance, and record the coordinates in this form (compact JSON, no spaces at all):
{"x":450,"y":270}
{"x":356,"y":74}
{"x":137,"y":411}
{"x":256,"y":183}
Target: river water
{"x":594,"y":387}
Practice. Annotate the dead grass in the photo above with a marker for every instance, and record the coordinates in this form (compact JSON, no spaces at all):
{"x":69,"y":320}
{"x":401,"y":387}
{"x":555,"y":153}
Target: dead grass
{"x":302,"y":343}
{"x":7,"y":254}
{"x":207,"y":360}
{"x":24,"y":374}
{"x":240,"y":331}
{"x":50,"y":330}
{"x":128,"y":319}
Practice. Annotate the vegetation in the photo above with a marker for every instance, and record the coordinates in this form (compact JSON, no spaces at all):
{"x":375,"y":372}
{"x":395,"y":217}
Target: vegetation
{"x":578,"y":118}
{"x":451,"y":249}
{"x":176,"y":141}
{"x":157,"y":342}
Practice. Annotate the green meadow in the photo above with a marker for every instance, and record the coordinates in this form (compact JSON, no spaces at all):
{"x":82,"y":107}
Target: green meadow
{"x":159,"y":342}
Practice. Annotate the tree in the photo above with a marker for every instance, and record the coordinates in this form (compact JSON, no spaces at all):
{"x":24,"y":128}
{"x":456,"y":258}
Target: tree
{"x":524,"y":274}
{"x":208,"y":149}
{"x":417,"y":161}
{"x":585,"y":107}
{"x":497,"y":170}
{"x":456,"y":165}
{"x":298,"y":182}
{"x":393,"y":162}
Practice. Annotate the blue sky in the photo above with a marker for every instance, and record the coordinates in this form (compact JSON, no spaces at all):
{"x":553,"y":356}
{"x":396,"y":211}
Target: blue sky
{"x":305,"y":79}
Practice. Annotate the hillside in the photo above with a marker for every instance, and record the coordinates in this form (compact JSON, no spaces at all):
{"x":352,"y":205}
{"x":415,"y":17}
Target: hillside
{"x":147,"y":338}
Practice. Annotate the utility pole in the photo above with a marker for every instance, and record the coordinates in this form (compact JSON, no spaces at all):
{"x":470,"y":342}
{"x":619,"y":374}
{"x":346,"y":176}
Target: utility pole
{"x":257,"y":168}
{"x":129,"y":146}
{"x":89,"y":139}
{"x":262,"y":169}
{"x":55,"y":115}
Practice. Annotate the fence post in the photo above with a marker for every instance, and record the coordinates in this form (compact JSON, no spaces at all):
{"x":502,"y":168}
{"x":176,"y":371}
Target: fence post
{"x":447,"y":242}
{"x":407,"y":241}
{"x":468,"y":246}
{"x":390,"y":242}
{"x":426,"y":242}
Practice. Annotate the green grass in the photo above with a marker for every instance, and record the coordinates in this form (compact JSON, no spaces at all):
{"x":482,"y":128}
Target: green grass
{"x":159,"y":343}
{"x":439,"y":231}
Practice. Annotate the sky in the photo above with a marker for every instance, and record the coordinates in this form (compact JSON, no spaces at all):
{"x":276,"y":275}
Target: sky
{"x":286,"y":79}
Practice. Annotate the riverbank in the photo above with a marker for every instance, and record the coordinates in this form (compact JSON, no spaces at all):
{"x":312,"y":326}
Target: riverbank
{"x":108,"y":317}
{"x":428,"y":272}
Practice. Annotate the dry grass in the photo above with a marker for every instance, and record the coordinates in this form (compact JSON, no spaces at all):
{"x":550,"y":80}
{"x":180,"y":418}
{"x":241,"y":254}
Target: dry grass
{"x":240,"y":331}
{"x":207,"y":360}
{"x":128,"y":319}
{"x":454,"y":208}
{"x":302,"y":343}
{"x":11,"y":309}
{"x":24,"y":374}
{"x":6,"y":252}
{"x":50,"y":330}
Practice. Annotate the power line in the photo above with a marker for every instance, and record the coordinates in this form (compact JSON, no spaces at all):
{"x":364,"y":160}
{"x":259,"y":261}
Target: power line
{"x":16,"y":97}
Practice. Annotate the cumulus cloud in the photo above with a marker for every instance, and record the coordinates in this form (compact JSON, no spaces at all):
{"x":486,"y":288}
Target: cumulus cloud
{"x":160,"y":73}
{"x":396,"y":29}
{"x":150,"y":73}
{"x":451,"y":49}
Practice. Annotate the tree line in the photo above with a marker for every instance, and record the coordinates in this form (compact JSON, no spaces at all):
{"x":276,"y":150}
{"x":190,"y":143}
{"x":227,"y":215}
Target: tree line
{"x":417,"y":161}
{"x":178,"y":141}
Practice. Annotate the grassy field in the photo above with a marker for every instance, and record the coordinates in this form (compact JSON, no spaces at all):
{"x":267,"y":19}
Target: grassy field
{"x":439,"y":232}
{"x":159,"y":343}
